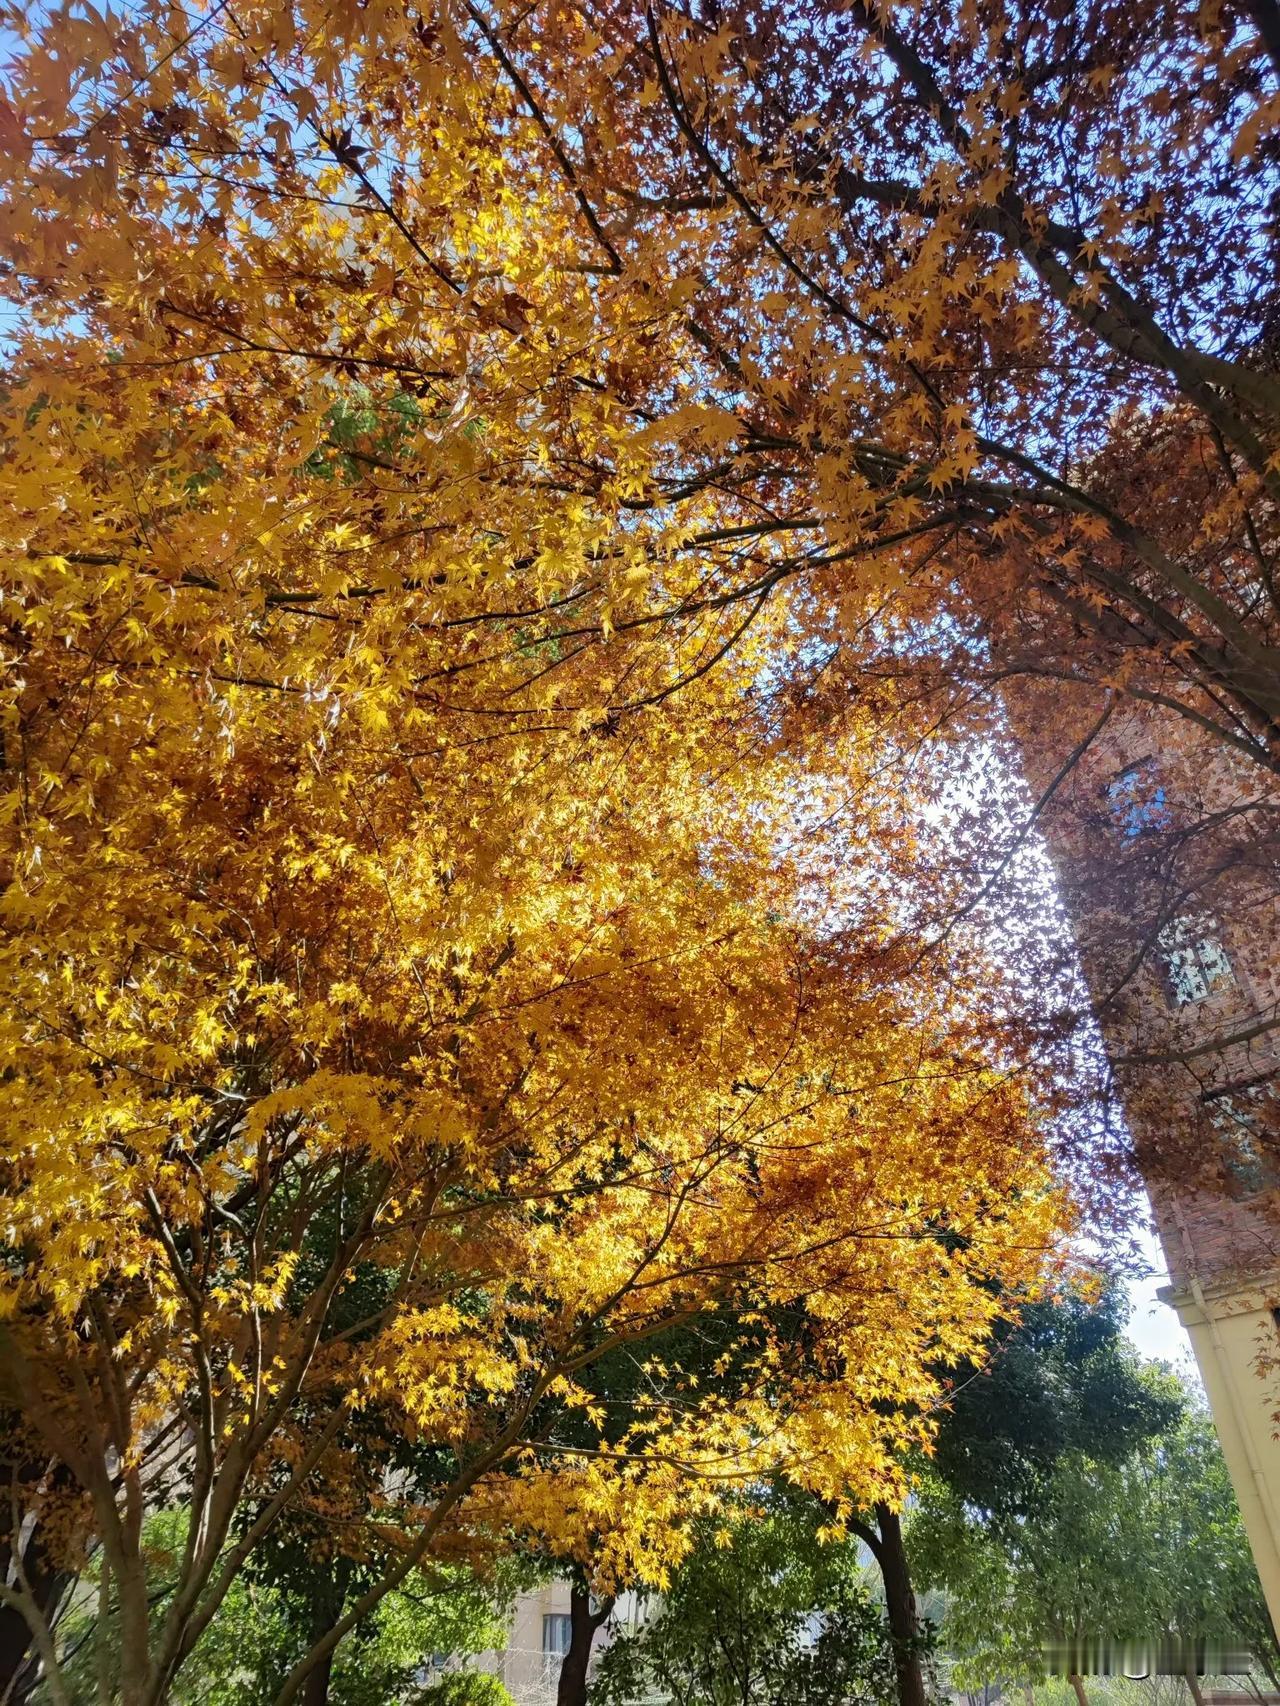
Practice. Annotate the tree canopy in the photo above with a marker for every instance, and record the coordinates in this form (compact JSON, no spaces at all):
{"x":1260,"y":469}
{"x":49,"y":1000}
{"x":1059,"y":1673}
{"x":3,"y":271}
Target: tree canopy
{"x":760,"y":1611}
{"x":1143,"y":1548}
{"x":501,"y":504}
{"x":934,"y":347}
{"x":352,"y":940}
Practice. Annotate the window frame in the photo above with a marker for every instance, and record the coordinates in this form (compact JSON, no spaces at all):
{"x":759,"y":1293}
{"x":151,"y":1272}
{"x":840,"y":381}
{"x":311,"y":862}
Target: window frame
{"x":1194,"y":960}
{"x":1235,"y":1113}
{"x":562,"y":1623}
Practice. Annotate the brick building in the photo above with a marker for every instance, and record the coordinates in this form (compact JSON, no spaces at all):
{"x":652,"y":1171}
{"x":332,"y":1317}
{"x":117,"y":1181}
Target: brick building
{"x":1166,"y":852}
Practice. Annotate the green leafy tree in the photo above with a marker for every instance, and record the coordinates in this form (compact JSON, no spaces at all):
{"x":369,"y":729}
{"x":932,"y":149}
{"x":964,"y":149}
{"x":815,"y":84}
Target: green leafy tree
{"x":1135,"y":1550}
{"x":259,"y":1631}
{"x":1059,"y":1379}
{"x":759,"y":1613}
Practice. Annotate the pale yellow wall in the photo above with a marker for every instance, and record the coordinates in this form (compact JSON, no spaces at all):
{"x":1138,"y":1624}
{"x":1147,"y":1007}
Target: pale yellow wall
{"x":1236,"y":1344}
{"x":530,"y":1675}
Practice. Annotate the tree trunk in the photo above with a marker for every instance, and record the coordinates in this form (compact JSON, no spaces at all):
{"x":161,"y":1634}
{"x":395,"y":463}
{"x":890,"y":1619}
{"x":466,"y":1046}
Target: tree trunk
{"x":900,"y":1607}
{"x":329,"y":1597}
{"x":1077,"y":1682}
{"x":19,"y":1661}
{"x":17,"y":1656}
{"x":1193,"y":1684}
{"x":571,"y":1689}
{"x":315,"y":1690}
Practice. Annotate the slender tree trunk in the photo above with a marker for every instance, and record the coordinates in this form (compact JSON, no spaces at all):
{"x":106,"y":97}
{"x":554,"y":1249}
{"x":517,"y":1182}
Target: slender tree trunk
{"x":15,"y":1638}
{"x":583,"y":1623}
{"x":19,"y":1661}
{"x":1193,"y":1684}
{"x":900,"y":1607}
{"x":315,"y":1690}
{"x":326,"y":1609}
{"x":1077,"y":1682}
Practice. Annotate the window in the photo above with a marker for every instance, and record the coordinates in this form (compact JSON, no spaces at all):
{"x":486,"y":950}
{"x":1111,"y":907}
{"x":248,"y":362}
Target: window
{"x":1195,"y":961}
{"x":1244,"y":1120}
{"x":1136,"y":799}
{"x":557,"y":1631}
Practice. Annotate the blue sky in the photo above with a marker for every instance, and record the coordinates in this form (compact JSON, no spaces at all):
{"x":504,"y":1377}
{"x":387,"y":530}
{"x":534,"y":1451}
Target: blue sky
{"x":1153,"y":1326}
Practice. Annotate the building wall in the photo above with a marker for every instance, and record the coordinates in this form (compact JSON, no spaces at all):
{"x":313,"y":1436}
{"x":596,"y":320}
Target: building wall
{"x":1177,"y":917}
{"x":1233,"y":1334}
{"x":526,"y":1669}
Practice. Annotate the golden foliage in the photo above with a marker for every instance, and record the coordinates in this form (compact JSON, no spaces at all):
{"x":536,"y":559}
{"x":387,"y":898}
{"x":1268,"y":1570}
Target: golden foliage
{"x":379,"y":922}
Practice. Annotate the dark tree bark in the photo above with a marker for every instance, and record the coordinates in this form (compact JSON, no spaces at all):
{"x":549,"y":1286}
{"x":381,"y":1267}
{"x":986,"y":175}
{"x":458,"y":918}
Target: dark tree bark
{"x":583,"y":1624}
{"x":315,"y":1690}
{"x":885,"y":1541}
{"x":19,"y":1663}
{"x":327,"y":1605}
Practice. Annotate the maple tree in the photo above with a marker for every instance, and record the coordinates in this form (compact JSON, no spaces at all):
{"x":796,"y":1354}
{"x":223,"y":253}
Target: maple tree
{"x":312,"y":1022}
{"x":954,"y":322}
{"x":410,"y":1000}
{"x":500,"y":502}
